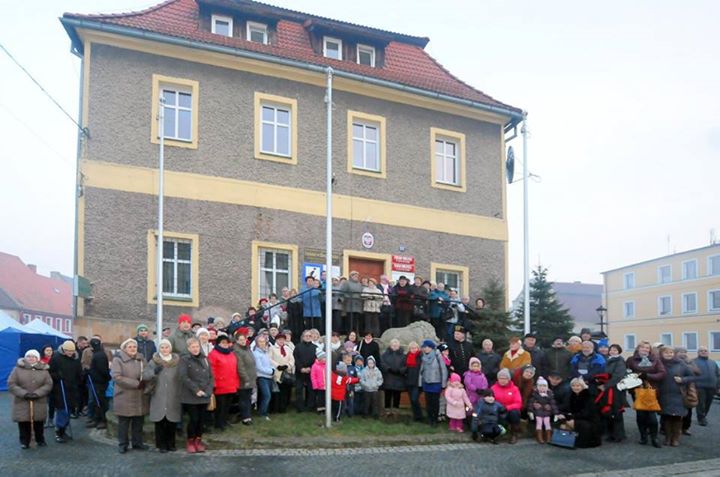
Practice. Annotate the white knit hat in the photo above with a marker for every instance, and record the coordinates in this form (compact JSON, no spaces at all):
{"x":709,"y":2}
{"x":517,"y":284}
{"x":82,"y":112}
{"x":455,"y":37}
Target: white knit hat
{"x":32,"y":352}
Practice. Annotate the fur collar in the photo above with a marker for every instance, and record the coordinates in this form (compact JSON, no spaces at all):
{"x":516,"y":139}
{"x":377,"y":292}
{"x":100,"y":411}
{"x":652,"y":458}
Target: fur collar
{"x":40,"y":366}
{"x":168,"y":364}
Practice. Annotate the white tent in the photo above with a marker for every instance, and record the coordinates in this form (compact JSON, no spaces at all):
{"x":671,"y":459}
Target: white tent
{"x":40,"y":327}
{"x":7,"y":321}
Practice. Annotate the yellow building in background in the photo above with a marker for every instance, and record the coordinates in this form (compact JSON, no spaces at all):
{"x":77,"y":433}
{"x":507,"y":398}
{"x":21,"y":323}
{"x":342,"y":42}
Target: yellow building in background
{"x":673,"y":299}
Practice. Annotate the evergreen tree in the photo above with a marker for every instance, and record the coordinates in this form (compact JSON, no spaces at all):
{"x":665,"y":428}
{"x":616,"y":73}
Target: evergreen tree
{"x":493,"y":321}
{"x":548,"y":318}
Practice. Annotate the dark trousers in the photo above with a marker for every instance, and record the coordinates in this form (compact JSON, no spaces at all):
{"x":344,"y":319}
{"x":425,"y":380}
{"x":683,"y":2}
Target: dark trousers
{"x":705,"y":399}
{"x":371,"y":403}
{"x":24,"y":428}
{"x":414,"y":392}
{"x":687,"y":420}
{"x":98,"y":407}
{"x":615,"y":426}
{"x":432,"y":406}
{"x":337,"y":409}
{"x":386,"y":317}
{"x":319,"y":399}
{"x":358,"y":402}
{"x":222,"y":410}
{"x":337,"y":323}
{"x":647,"y":423}
{"x":350,"y":404}
{"x":372,"y":323}
{"x":244,"y":403}
{"x":132,"y":425}
{"x":196,"y":422}
{"x":392,"y":399}
{"x":165,"y":434}
{"x":304,"y":394}
{"x":316,"y":322}
{"x":402,"y":318}
{"x":283,"y":397}
{"x":512,"y":417}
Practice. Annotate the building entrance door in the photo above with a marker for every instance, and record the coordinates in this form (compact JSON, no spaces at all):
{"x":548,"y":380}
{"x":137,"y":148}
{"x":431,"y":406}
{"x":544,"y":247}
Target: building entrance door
{"x":367,"y":267}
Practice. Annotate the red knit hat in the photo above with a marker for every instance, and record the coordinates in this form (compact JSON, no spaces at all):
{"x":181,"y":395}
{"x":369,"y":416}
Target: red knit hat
{"x":242,"y":331}
{"x":184,"y":318}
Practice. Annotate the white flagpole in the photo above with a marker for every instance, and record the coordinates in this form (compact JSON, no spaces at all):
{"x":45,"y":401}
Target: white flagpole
{"x":328,"y":254}
{"x":526,"y":240}
{"x":160,"y":230}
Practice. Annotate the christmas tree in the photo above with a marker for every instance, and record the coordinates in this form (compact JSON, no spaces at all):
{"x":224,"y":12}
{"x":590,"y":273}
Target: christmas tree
{"x":548,"y":318}
{"x":493,"y":321}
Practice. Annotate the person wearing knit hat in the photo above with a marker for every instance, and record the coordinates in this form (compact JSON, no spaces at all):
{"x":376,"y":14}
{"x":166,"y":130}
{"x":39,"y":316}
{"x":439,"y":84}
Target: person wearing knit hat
{"x":432,"y":377}
{"x":29,"y":384}
{"x":458,"y":403}
{"x":146,"y":346}
{"x":68,"y":347}
{"x":66,"y":372}
{"x":475,"y":381}
{"x":203,"y":335}
{"x":370,"y":381}
{"x":541,"y":406}
{"x":339,"y":385}
{"x":428,"y":344}
{"x":128,"y":404}
{"x":165,"y":407}
{"x":507,"y":394}
{"x":183,"y":333}
{"x":317,"y":379}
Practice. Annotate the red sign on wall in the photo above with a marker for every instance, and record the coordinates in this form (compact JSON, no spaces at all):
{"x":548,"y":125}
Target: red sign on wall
{"x":401,"y":263}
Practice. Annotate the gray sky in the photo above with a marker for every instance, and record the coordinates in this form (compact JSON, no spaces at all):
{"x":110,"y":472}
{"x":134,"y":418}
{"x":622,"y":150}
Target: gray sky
{"x":622,"y":96}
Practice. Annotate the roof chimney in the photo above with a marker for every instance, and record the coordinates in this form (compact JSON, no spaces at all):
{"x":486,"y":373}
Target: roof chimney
{"x":32,"y":267}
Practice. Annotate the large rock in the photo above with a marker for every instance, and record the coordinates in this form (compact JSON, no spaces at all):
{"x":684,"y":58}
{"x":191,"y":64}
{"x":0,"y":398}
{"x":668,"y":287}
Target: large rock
{"x":417,"y":331}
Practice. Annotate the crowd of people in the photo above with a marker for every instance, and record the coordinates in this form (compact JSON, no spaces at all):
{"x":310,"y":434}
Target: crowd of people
{"x":221,"y":375}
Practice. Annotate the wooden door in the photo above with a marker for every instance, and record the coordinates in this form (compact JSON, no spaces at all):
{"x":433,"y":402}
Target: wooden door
{"x":367,"y":268}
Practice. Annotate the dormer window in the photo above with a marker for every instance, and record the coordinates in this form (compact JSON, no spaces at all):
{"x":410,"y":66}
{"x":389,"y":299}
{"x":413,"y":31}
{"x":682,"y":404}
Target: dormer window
{"x":332,"y":48}
{"x":366,"y":55}
{"x":257,"y":32}
{"x":222,"y":25}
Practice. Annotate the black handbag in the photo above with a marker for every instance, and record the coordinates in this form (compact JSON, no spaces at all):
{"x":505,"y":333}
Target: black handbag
{"x":287,"y":377}
{"x":561,"y":438}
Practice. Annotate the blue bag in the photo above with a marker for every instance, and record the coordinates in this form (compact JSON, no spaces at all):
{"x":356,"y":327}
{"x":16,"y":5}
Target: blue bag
{"x":561,"y":438}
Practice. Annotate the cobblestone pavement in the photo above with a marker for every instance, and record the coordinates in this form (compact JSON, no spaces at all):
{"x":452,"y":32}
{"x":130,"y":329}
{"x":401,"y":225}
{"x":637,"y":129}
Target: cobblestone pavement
{"x":93,"y":454}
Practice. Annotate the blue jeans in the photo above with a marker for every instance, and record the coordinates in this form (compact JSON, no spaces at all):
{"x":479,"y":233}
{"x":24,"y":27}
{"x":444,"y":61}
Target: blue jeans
{"x":414,"y":392}
{"x":264,"y":395}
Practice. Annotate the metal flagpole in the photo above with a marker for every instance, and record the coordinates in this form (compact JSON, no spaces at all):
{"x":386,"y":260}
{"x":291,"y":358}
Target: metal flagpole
{"x":160,"y":231}
{"x":328,"y":254}
{"x":526,"y":241}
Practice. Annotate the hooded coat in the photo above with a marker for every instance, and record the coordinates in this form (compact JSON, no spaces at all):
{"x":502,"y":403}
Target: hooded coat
{"x":178,"y":340}
{"x":542,"y":406}
{"x":127,"y":373}
{"x":394,"y":368}
{"x":457,"y":400}
{"x":25,"y":379}
{"x":68,"y":371}
{"x":165,"y":390}
{"x":669,"y":392}
{"x":245,"y":366}
{"x":99,"y":367}
{"x":371,"y":378}
{"x":474,"y":382}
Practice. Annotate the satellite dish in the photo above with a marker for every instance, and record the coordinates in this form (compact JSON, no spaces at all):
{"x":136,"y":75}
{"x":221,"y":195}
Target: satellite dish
{"x":510,"y":164}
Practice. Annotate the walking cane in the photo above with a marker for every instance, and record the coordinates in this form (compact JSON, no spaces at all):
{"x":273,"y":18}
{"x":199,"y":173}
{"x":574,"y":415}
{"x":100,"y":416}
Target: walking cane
{"x":67,"y":410}
{"x":32,"y":421}
{"x":97,"y":401}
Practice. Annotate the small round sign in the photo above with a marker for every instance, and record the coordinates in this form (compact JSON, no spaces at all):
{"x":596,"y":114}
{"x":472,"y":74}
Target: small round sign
{"x":368,"y":240}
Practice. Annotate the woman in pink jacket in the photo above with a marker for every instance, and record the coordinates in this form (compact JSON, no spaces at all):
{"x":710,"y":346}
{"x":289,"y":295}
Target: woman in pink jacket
{"x":458,"y":403}
{"x":317,"y":380}
{"x":507,"y":394}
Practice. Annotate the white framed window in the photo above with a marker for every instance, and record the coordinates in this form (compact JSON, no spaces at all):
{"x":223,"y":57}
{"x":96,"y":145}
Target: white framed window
{"x":629,"y":309}
{"x":274,"y":271}
{"x":276,"y":137}
{"x":629,"y":280}
{"x":665,"y":274}
{"x":58,"y":324}
{"x":690,"y":340}
{"x":177,"y":268}
{"x":666,"y":339}
{"x":366,"y":146}
{"x":665,"y":305}
{"x":689,"y":269}
{"x":450,"y":278}
{"x":689,"y":302}
{"x":67,"y":328}
{"x":47,"y":319}
{"x":630,"y":342}
{"x":447,"y":164}
{"x":714,"y":341}
{"x":366,"y":55}
{"x":178,"y":114}
{"x":713,"y":300}
{"x":713,"y":265}
{"x":332,"y":48}
{"x":257,"y":32}
{"x":222,"y":25}
{"x":26,"y":318}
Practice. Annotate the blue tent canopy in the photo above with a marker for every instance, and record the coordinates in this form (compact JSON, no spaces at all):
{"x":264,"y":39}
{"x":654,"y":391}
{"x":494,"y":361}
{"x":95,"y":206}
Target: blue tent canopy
{"x":13,"y":345}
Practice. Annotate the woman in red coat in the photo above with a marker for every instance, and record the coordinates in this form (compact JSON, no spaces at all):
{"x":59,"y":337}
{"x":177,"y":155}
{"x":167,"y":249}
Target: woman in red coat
{"x":227,"y":382}
{"x":507,"y":394}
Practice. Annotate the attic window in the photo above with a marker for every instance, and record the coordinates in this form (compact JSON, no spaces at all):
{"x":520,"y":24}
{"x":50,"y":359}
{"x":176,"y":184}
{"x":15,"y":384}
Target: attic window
{"x":257,"y":32}
{"x":222,"y":25}
{"x":366,"y":55}
{"x":332,"y":48}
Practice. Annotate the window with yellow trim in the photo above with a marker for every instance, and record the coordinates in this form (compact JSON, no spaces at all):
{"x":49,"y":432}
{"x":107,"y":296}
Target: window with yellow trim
{"x":180,"y":266}
{"x":274,"y":267}
{"x":453,"y":276}
{"x":179,"y":98}
{"x":366,"y":144}
{"x":448,"y":159}
{"x":275,"y":128}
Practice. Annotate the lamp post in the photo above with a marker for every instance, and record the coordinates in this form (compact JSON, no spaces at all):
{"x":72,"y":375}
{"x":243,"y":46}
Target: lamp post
{"x":601,"y":310}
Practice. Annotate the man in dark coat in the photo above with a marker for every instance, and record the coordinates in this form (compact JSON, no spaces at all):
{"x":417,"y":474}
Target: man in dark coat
{"x":561,"y":391}
{"x":460,"y":351}
{"x":557,"y":359}
{"x":146,"y":346}
{"x":587,"y":364}
{"x":304,"y":355}
{"x":369,"y":347}
{"x":536,"y":354}
{"x":66,"y":373}
{"x":98,"y":377}
{"x":706,"y":384}
{"x":490,"y":361}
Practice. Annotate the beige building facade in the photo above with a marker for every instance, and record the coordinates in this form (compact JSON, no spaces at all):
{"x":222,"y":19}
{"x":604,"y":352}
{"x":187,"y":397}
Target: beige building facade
{"x":673,"y":299}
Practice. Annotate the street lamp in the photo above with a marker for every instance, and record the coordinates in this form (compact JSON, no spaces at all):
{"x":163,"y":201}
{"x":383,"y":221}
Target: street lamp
{"x":601,"y":310}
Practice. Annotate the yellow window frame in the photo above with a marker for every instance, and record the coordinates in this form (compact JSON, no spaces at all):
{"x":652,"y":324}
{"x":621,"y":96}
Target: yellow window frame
{"x":379,"y":121}
{"x":459,"y":138}
{"x":255,"y":275}
{"x":291,"y":103}
{"x":194,"y":239}
{"x":461,"y":269}
{"x":158,"y":81}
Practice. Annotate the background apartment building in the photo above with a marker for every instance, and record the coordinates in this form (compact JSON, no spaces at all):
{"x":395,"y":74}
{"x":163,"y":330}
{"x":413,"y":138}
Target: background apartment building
{"x":673,"y":299}
{"x":418,"y":157}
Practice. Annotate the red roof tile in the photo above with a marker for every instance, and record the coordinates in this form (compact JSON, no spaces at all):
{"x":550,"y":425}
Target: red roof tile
{"x":405,"y":62}
{"x":32,"y":291}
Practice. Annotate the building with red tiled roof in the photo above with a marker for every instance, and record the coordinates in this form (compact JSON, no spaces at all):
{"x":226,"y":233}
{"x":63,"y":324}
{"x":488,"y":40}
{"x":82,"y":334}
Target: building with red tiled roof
{"x":26,"y":295}
{"x":418,"y":159}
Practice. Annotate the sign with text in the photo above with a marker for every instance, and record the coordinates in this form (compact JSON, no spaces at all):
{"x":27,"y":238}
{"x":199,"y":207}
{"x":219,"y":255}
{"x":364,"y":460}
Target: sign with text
{"x":402,"y":263}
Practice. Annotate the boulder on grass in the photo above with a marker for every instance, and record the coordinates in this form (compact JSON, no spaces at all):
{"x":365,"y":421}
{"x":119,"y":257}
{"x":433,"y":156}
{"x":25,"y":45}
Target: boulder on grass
{"x":417,"y":331}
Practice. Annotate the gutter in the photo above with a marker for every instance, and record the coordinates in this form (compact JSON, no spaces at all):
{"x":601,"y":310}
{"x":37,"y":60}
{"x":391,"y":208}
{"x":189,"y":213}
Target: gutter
{"x":71,"y":23}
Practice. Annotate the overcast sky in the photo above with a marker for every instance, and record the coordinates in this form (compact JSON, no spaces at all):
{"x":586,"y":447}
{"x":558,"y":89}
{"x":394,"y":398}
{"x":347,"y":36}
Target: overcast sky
{"x":623,"y":109}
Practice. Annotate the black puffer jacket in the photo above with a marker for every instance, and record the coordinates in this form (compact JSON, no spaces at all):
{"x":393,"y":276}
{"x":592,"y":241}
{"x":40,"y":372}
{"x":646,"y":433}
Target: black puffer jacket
{"x":394,"y":369}
{"x":68,"y":371}
{"x":99,"y":370}
{"x":195,"y":374}
{"x":304,"y":355}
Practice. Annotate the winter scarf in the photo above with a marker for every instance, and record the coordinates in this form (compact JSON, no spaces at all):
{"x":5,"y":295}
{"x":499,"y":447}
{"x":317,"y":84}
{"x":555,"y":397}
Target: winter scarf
{"x":412,"y":359}
{"x":222,"y":350}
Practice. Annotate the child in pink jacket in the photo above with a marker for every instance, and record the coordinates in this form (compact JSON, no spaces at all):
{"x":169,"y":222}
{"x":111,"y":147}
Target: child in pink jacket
{"x":458,"y":403}
{"x":317,"y":380}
